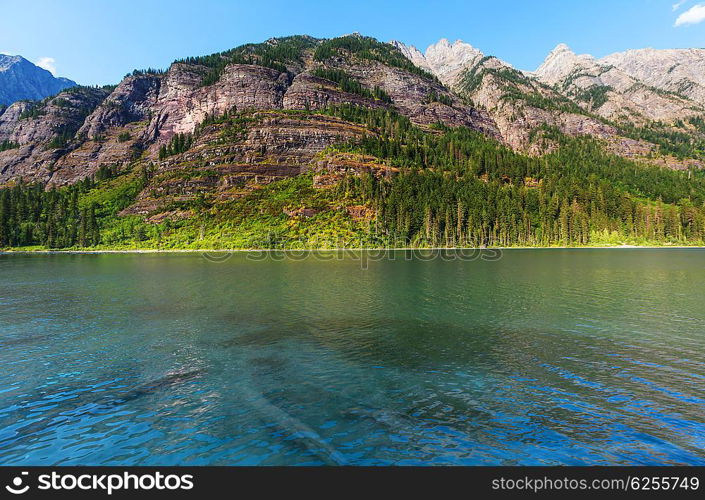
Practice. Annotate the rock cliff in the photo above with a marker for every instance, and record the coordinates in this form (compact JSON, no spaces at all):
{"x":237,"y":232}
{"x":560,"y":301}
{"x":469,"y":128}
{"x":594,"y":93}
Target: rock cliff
{"x":65,"y":138}
{"x":625,"y":99}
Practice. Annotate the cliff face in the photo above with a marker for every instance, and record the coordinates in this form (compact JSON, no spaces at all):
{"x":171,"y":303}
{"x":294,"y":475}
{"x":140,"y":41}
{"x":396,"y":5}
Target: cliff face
{"x":20,"y":79}
{"x":423,"y":100}
{"x":182,"y":103}
{"x":145,"y":111}
{"x":131,"y":101}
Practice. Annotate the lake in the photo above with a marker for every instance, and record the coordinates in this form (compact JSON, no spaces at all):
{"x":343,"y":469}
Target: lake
{"x":540,"y":357}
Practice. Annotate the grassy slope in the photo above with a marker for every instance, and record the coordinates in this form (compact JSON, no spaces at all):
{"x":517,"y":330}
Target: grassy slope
{"x":256,"y":220}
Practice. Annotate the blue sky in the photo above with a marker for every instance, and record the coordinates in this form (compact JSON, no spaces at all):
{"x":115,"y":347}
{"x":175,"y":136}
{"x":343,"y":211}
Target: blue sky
{"x":98,"y":41}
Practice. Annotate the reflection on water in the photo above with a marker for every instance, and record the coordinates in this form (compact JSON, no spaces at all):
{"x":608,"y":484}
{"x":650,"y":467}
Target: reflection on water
{"x":542,"y":357}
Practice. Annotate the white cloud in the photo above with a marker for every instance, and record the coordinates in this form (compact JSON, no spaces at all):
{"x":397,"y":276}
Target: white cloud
{"x":48,"y":63}
{"x":678,"y":5}
{"x":694,"y":15}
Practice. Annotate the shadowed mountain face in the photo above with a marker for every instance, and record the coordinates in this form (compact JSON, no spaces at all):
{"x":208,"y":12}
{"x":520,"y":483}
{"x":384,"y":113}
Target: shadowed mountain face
{"x":21,"y":80}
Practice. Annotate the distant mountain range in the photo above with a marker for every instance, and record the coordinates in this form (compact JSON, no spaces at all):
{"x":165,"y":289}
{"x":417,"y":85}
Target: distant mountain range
{"x":218,"y":128}
{"x":661,"y":90}
{"x":20,"y":80}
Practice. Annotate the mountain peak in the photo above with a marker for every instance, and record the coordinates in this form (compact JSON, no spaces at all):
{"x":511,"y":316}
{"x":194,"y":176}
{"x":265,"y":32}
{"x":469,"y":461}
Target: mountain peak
{"x":444,"y":59}
{"x":561,"y":48}
{"x":457,"y":49}
{"x":20,"y":79}
{"x":7,"y":61}
{"x":560,"y":62}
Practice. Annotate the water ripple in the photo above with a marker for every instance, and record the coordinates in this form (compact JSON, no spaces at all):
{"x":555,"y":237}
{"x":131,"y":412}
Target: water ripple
{"x":544,"y":357}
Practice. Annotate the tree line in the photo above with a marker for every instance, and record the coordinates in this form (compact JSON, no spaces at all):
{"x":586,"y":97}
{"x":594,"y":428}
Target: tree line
{"x":30,"y":216}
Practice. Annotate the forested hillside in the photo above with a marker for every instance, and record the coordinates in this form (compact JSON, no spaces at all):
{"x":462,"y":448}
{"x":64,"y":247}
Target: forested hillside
{"x":404,"y":186}
{"x":306,"y":143}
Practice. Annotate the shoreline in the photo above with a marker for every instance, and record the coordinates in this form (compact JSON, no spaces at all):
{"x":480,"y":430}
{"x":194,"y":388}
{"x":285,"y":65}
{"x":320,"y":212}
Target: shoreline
{"x":365,"y":249}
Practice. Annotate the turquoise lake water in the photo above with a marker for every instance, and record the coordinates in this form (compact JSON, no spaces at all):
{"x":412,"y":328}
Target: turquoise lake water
{"x":539,"y":357}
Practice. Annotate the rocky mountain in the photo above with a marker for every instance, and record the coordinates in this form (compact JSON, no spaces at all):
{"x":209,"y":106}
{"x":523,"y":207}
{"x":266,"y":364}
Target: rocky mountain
{"x":449,"y":146}
{"x":608,"y":91}
{"x":69,"y":136}
{"x":22,"y":80}
{"x":635,"y":116}
{"x":444,"y":59}
{"x":517,"y":103}
{"x":296,"y":73}
{"x":681,"y":71}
